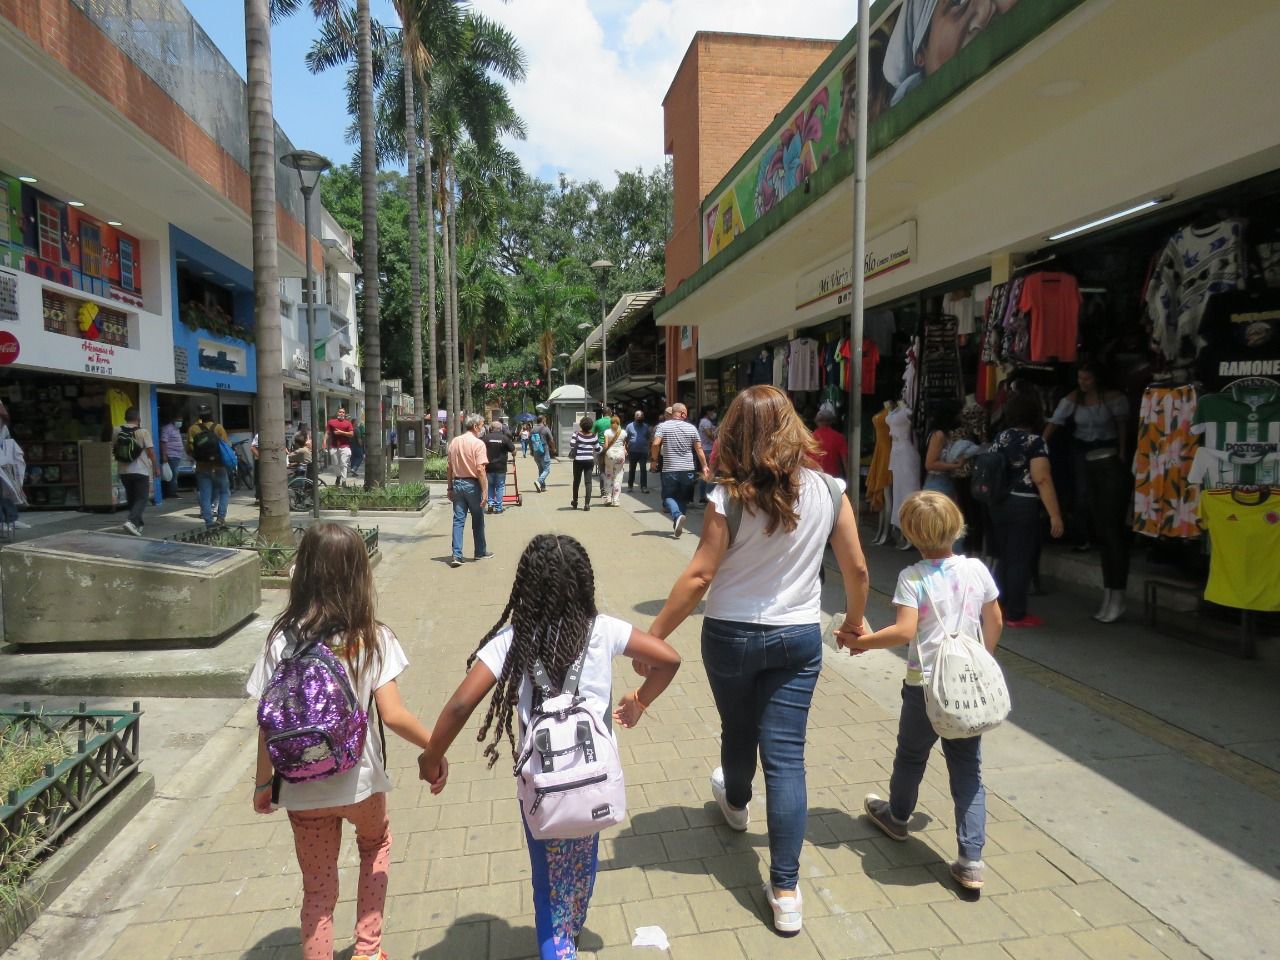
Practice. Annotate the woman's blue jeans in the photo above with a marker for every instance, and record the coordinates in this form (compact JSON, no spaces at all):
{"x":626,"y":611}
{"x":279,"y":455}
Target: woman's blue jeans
{"x":916,"y":738}
{"x":763,"y":678}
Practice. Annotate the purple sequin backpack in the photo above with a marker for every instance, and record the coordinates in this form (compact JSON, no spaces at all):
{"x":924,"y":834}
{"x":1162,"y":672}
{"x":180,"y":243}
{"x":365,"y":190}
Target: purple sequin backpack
{"x":310,"y":716}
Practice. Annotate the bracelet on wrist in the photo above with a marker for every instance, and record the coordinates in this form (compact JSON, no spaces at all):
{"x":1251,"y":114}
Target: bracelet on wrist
{"x":263,"y":786}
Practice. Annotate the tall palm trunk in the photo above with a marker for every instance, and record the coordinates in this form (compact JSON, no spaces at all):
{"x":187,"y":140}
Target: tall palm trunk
{"x":415,"y":245}
{"x":371,"y":335}
{"x":453,"y":273}
{"x":433,"y":384}
{"x":273,"y":515}
{"x":450,"y":348}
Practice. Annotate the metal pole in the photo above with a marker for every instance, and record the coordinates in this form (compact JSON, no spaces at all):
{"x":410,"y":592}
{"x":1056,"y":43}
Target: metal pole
{"x":604,"y":343}
{"x":313,"y":472}
{"x":585,"y":338}
{"x":857,"y":277}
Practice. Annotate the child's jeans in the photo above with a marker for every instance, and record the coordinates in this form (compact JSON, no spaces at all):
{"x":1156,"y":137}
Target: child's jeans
{"x":564,"y":874}
{"x":317,"y":836}
{"x":916,"y":738}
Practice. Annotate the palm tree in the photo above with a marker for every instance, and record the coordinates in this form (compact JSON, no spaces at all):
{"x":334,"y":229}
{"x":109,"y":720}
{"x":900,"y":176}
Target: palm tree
{"x":551,"y":304}
{"x":411,"y":56}
{"x":371,"y":333}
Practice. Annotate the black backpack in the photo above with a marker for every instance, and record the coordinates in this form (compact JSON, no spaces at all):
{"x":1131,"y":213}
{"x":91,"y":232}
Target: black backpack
{"x":126,"y":447}
{"x":204,"y":445}
{"x":989,"y":482}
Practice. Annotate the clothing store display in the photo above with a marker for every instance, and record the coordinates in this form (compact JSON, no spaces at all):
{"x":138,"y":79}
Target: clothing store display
{"x":1164,"y":499}
{"x":910,"y":374}
{"x":904,"y":459}
{"x":779,"y":367}
{"x":802,"y":365}
{"x":1244,"y":529}
{"x":878,"y":477}
{"x":1239,"y":432}
{"x":761,"y":368}
{"x":879,"y":326}
{"x":870,"y":361}
{"x":1241,"y":330}
{"x":1052,"y":304}
{"x":959,"y":304}
{"x":1196,"y":263}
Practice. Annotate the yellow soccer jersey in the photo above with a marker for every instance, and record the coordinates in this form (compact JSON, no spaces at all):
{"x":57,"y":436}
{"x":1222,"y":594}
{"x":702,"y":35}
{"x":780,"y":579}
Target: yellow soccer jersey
{"x":1243,"y":571}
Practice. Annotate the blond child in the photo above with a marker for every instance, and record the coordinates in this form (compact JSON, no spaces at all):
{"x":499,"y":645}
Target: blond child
{"x":932,"y":596}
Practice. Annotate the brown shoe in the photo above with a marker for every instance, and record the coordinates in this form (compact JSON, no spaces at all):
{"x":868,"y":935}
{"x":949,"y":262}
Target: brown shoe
{"x":968,"y":877}
{"x":878,"y":811}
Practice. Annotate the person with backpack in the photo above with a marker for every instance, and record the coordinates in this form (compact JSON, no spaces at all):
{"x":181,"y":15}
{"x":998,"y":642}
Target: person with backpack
{"x":933,"y":594}
{"x":639,"y":434}
{"x":544,"y":448}
{"x":1015,"y":488}
{"x":553,"y":651}
{"x":204,"y":441}
{"x":498,"y":445}
{"x":137,"y":464}
{"x":328,"y":665}
{"x":769,"y":519}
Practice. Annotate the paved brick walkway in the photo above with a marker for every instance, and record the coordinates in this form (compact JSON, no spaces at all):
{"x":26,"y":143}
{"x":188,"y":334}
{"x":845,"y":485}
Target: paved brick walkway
{"x":459,"y":884}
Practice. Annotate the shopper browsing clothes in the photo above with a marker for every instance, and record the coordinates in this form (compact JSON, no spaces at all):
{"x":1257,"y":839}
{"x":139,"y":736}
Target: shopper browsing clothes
{"x":339,"y":437}
{"x":137,"y":465}
{"x":203,"y":441}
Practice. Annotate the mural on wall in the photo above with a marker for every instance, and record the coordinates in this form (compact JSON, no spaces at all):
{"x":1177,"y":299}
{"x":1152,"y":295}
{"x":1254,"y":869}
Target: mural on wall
{"x":84,"y":320}
{"x":909,"y":43}
{"x":57,"y":242}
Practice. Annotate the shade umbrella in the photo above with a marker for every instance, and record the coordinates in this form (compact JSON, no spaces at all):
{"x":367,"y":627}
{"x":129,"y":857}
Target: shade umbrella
{"x":526,"y":418}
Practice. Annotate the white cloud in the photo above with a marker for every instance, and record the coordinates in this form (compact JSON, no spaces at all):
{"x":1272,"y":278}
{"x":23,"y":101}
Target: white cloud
{"x":598,"y":69}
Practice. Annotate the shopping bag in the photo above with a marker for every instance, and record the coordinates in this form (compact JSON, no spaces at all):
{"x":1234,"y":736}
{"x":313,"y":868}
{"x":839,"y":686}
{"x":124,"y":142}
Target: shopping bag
{"x":166,"y":473}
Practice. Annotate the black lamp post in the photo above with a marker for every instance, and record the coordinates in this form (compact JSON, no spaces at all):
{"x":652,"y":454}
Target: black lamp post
{"x":602,"y":268}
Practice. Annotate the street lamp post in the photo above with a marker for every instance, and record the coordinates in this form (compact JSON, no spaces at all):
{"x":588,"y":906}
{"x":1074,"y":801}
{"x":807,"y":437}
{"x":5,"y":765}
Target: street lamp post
{"x":602,"y":268}
{"x":586,"y":338}
{"x":309,"y":167}
{"x":551,"y":381}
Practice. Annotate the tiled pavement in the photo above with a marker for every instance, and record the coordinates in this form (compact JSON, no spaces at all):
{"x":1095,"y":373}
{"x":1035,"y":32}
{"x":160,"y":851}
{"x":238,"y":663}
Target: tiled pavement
{"x":459,"y":885}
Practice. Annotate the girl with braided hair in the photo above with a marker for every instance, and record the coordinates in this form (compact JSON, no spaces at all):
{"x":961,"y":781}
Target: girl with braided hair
{"x":550,"y":616}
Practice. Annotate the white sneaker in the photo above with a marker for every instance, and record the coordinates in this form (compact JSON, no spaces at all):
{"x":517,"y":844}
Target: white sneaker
{"x":678,"y":526}
{"x":130,"y":528}
{"x":735,"y":818}
{"x":788,"y":912}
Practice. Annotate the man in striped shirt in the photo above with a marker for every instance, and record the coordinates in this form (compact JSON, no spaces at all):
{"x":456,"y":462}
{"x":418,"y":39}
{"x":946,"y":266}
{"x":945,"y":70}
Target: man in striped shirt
{"x":677,"y":441}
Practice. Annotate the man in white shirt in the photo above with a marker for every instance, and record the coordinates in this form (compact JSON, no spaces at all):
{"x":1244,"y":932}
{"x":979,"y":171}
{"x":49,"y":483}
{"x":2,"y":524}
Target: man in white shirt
{"x":677,"y":441}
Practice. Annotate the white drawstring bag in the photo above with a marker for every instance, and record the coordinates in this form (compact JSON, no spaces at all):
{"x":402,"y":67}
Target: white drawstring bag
{"x":966,"y":696}
{"x":166,"y":473}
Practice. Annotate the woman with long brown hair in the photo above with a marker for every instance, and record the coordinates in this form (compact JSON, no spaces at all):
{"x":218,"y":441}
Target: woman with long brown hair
{"x":761,"y":636}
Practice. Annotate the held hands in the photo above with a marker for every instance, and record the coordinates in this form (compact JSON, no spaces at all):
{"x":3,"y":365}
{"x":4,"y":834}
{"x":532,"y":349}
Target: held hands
{"x":437,"y":776}
{"x":630,"y":710}
{"x":847,"y":635}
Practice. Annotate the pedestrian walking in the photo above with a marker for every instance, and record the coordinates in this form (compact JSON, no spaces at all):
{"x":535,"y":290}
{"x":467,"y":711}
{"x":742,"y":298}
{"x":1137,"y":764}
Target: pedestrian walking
{"x":639,"y":434}
{"x":707,"y":437}
{"x":468,"y":487}
{"x":601,"y":426}
{"x":393,"y":441}
{"x":331,"y":602}
{"x":833,"y":451}
{"x":171,"y":451}
{"x":544,"y":448}
{"x":677,"y":442}
{"x":584,"y":447}
{"x":255,"y":453}
{"x":498,"y":447}
{"x":551,"y":622}
{"x":203,"y":442}
{"x":524,"y":440}
{"x":934,"y":598}
{"x":339,"y":436}
{"x":615,"y":458}
{"x":358,"y":447}
{"x":761,"y":633}
{"x":137,"y":464}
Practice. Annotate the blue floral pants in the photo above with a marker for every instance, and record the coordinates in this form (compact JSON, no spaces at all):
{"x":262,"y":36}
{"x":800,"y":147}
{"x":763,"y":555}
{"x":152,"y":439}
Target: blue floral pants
{"x":564,"y":874}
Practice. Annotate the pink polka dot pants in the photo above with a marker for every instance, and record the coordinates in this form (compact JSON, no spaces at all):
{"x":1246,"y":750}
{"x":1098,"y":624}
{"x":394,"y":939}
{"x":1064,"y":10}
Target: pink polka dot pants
{"x":317,"y":837}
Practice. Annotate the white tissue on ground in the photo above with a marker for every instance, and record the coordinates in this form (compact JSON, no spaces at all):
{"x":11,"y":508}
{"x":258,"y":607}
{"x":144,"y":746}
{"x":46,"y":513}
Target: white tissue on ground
{"x":651,"y":937}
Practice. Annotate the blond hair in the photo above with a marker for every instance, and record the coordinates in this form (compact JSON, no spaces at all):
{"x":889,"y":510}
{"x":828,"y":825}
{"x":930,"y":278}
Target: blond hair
{"x":931,"y":521}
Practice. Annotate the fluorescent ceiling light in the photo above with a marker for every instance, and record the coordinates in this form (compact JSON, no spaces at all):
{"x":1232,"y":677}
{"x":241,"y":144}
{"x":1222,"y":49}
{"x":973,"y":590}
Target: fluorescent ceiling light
{"x":75,"y":203}
{"x":28,"y":179}
{"x":1109,"y":218}
{"x":114,"y":223}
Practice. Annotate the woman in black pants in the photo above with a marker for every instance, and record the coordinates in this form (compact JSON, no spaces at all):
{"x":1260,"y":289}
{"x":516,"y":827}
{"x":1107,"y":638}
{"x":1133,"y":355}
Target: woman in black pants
{"x":583,"y":447}
{"x":1015,"y":520}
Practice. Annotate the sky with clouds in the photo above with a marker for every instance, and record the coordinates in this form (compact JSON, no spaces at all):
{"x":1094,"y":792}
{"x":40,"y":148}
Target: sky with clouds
{"x":598,"y":70}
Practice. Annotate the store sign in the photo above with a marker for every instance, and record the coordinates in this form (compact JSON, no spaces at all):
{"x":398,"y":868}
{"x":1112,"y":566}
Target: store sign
{"x":220,"y":357}
{"x":9,"y":348}
{"x":180,"y":362}
{"x":831,"y":285}
{"x":99,"y":358}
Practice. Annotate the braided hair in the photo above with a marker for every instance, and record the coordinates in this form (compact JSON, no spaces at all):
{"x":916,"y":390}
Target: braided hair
{"x":550,"y":611}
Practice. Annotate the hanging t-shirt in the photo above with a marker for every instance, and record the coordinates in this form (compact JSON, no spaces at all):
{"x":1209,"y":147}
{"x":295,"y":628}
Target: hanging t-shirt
{"x":1241,"y":331}
{"x":118,"y":402}
{"x":1245,"y":539}
{"x":779,"y":367}
{"x":1052,"y":301}
{"x":802,"y":365}
{"x":870,"y":361}
{"x":761,"y":368}
{"x":1239,"y":432}
{"x":1196,"y":263}
{"x":960,"y":305}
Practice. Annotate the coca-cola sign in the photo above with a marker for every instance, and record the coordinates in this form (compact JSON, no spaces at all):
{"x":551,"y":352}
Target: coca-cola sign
{"x":9,"y":348}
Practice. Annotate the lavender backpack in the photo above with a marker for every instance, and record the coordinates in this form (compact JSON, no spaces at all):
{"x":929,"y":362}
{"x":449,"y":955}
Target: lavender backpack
{"x":310,"y":716}
{"x":569,"y":774}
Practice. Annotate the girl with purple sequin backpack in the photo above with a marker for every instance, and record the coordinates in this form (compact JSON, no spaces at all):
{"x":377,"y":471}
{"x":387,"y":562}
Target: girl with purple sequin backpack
{"x":548,"y":662}
{"x":328,"y":664}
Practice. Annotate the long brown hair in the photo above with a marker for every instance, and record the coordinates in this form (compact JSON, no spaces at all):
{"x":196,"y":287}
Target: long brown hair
{"x":331,"y":596}
{"x":763,"y":444}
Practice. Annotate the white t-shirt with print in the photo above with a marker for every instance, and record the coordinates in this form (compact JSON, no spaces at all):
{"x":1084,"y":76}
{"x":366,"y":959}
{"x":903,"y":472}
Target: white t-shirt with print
{"x":609,"y":638}
{"x":370,"y":776}
{"x":947,"y":582}
{"x":772,"y":579}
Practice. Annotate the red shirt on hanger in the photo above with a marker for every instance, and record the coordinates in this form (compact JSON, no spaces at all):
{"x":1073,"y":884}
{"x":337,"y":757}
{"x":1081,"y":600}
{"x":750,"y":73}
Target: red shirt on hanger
{"x":1053,"y":301}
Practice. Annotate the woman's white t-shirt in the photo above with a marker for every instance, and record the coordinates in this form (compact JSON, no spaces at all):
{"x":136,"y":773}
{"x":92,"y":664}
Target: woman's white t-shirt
{"x":945,"y":582}
{"x":370,"y":776}
{"x":609,"y":638}
{"x":772,"y":579}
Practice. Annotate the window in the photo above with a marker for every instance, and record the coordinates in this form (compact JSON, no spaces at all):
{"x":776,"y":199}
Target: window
{"x":90,"y":249}
{"x":237,"y":416}
{"x":49,"y":222}
{"x":126,"y":265}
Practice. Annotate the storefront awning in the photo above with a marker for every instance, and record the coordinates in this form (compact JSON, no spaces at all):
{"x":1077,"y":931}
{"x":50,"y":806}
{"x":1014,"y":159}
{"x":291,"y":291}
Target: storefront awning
{"x":621,"y":318}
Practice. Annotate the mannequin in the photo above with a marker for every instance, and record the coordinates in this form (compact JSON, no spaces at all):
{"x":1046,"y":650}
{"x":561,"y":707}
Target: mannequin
{"x":879,"y":481}
{"x":904,"y":462}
